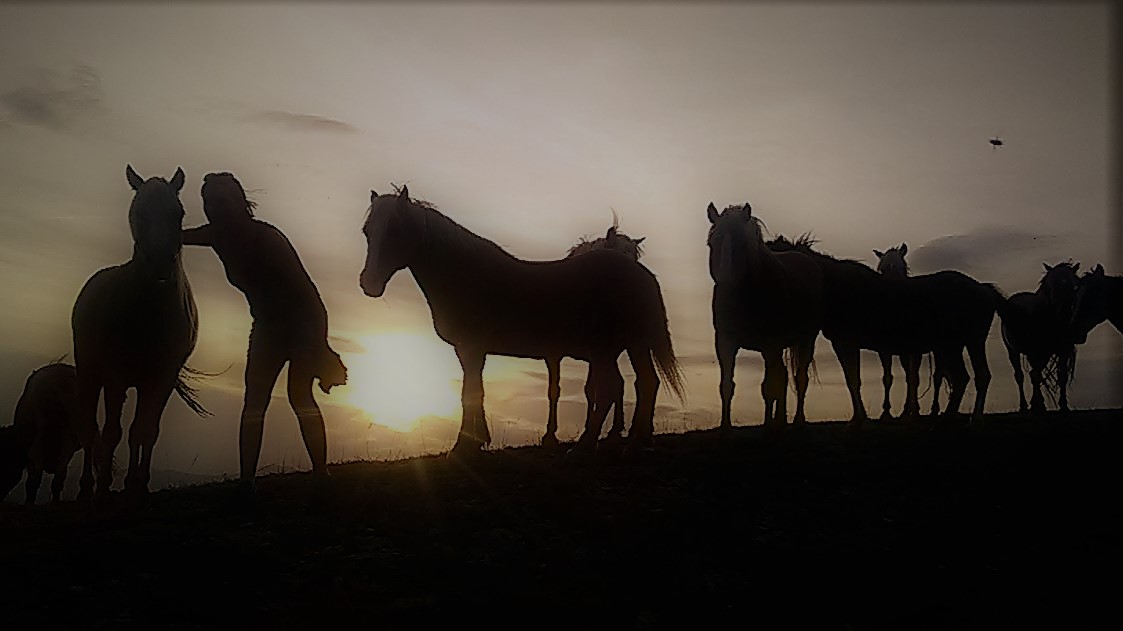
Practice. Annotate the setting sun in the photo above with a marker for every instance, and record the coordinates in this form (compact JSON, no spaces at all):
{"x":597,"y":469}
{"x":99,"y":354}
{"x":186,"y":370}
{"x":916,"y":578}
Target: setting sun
{"x":401,"y":378}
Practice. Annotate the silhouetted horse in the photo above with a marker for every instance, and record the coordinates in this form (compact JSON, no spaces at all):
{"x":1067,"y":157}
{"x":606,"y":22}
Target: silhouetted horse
{"x":892,"y":263}
{"x":485,"y":301}
{"x":43,"y":436}
{"x":615,"y":241}
{"x":942,"y":313}
{"x":134,"y":325}
{"x":764,"y":301}
{"x":1038,"y":326}
{"x":1099,"y":297}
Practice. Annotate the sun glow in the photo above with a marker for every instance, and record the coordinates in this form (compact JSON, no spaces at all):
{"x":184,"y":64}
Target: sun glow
{"x":402,"y":378}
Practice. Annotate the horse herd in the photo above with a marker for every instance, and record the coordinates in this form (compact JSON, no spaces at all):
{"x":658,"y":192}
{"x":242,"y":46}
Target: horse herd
{"x":134,"y":326}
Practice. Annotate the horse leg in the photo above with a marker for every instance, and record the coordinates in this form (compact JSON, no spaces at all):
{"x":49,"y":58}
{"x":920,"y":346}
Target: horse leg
{"x":618,"y":411}
{"x":957,"y":379}
{"x":473,"y":425}
{"x":31,"y":487}
{"x":145,"y":429}
{"x":976,"y":350}
{"x":1019,"y":377}
{"x":110,"y":437}
{"x":937,"y":383}
{"x":553,"y":393}
{"x":1062,"y":379}
{"x":848,"y":358}
{"x":1036,"y":377}
{"x":726,"y":360}
{"x":774,"y":388}
{"x":803,"y":354}
{"x":86,"y":429}
{"x":887,"y":382}
{"x":910,"y":363}
{"x":642,"y":433}
{"x":59,"y":481}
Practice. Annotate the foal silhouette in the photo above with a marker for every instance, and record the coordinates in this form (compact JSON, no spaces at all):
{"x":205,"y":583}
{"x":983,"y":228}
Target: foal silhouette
{"x":1039,"y":326}
{"x":43,"y":436}
{"x":135,"y":326}
{"x":485,"y":301}
{"x":614,"y":241}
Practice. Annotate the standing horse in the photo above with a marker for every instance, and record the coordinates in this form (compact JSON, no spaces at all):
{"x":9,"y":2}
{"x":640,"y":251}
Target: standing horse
{"x":764,"y":301}
{"x":134,"y":326}
{"x":1038,"y":327}
{"x":892,"y":263}
{"x":614,"y":241}
{"x":1099,"y":297}
{"x":942,"y":313}
{"x":485,"y":301}
{"x":43,"y":436}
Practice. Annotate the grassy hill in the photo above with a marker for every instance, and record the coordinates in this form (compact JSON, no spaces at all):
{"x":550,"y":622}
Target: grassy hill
{"x":895,"y":526}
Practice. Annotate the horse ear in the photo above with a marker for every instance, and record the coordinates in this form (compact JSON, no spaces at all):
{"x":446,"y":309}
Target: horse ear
{"x":879,"y":253}
{"x":904,"y":249}
{"x":135,"y":181}
{"x":1076,"y":268}
{"x":1047,"y":268}
{"x":711,"y":212}
{"x":1098,"y":270}
{"x":404,"y":193}
{"x":373,"y":196}
{"x":178,"y":179}
{"x":640,"y":240}
{"x":610,"y":236}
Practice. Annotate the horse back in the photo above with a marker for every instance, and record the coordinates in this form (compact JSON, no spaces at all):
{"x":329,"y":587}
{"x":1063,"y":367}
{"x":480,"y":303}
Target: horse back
{"x":567,"y":307}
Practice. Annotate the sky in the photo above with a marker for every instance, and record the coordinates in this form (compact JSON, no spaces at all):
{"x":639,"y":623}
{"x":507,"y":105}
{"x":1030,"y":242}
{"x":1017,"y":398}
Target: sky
{"x":530,"y":124}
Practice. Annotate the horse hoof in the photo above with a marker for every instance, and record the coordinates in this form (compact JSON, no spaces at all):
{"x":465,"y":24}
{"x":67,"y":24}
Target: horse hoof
{"x":581,"y":450}
{"x":886,"y":416}
{"x":550,"y":441}
{"x":465,"y":449}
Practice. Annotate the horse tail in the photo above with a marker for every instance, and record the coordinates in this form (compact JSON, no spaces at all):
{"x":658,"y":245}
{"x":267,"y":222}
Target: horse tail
{"x":812,"y":368}
{"x":999,"y":300}
{"x":663,"y":352}
{"x":188,"y":392}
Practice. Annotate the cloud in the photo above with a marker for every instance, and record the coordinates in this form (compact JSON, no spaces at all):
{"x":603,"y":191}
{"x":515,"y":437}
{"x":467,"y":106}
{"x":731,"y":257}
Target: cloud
{"x":303,"y":122}
{"x":1007,"y":256}
{"x":52,"y":101}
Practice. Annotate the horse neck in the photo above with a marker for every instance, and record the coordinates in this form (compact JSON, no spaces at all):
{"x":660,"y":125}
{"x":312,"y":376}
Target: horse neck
{"x":1113,"y":296}
{"x":762,"y":262}
{"x":453,"y":260}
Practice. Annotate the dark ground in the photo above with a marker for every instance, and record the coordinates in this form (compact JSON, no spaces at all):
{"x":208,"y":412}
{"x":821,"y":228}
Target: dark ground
{"x":898,"y":526}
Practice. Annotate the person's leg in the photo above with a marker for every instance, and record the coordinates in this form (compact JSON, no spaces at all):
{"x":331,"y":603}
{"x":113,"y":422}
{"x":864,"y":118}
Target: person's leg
{"x":308,"y":413}
{"x":263,"y":365}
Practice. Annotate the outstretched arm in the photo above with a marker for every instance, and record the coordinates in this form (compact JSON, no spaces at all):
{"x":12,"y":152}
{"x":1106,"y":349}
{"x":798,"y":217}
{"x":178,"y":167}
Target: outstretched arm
{"x":199,"y":235}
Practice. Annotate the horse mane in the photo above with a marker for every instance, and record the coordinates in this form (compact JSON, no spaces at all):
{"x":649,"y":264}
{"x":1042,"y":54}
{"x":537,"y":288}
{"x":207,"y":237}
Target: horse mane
{"x":585,"y":244}
{"x":441,"y":232}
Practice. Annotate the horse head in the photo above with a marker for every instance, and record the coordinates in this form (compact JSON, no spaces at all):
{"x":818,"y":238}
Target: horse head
{"x":892,"y":261}
{"x":390,"y":244}
{"x":1090,"y":304}
{"x":734,"y":233}
{"x":155,"y":220}
{"x":1059,"y":286}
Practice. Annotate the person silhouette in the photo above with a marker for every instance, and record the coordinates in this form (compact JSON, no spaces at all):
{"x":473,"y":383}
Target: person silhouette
{"x":290,"y":322}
